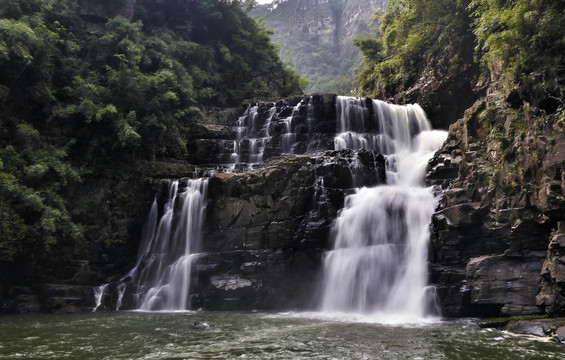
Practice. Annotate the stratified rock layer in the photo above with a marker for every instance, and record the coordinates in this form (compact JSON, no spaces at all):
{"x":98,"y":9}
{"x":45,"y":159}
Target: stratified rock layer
{"x":266,"y":229}
{"x":499,"y":211}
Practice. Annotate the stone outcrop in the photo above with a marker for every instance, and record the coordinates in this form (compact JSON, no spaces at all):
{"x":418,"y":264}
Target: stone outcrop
{"x":266,"y":229}
{"x":502,"y":198}
{"x":552,"y":294}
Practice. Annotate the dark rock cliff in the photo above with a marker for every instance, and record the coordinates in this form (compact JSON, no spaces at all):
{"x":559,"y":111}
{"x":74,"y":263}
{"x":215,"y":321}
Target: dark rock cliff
{"x":497,"y":247}
{"x":266,"y":229}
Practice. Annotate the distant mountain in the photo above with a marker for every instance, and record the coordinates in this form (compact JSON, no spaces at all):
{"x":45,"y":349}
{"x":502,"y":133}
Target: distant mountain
{"x":316,"y":35}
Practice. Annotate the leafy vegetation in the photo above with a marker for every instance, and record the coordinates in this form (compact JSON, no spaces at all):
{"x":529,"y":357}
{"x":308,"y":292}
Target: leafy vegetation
{"x":416,"y":39}
{"x":82,"y":101}
{"x":519,"y":44}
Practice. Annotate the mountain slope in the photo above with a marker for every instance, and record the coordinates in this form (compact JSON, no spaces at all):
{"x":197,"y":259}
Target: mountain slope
{"x":316,"y":35}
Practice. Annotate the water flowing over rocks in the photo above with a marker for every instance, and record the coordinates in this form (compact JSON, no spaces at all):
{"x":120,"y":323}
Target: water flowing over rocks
{"x":265,"y":231}
{"x":267,"y":224}
{"x":267,"y":228}
{"x":267,"y":216}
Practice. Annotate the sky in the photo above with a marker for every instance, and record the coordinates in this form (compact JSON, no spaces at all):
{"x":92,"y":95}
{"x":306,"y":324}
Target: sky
{"x":264,"y":1}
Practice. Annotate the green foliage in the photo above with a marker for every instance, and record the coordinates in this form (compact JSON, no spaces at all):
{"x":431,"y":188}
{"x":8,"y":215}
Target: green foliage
{"x":294,"y":84}
{"x":522,"y":42}
{"x":75,"y":102}
{"x":418,"y":38}
{"x":519,"y":44}
{"x":342,"y":85}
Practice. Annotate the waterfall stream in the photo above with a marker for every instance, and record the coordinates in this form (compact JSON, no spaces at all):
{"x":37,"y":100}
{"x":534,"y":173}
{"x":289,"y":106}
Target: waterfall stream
{"x":162,"y":274}
{"x":378,"y":263}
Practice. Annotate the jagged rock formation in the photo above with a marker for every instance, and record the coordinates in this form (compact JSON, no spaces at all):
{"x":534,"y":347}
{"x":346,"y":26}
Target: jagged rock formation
{"x":552,"y":294}
{"x":319,"y":34}
{"x":266,"y":230}
{"x":501,"y":205}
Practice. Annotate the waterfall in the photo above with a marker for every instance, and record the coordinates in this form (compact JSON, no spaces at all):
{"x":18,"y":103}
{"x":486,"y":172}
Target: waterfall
{"x":251,"y":136}
{"x":378,"y":263}
{"x":162,"y":274}
{"x":99,"y":292}
{"x":266,"y":130}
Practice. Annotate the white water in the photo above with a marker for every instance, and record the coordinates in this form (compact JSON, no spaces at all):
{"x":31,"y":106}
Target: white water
{"x":254,"y":129}
{"x":99,"y":295}
{"x":163,"y":271}
{"x":378,"y":264}
{"x":251,"y":136}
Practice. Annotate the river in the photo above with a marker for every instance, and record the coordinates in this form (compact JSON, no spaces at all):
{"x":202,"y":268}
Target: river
{"x":254,"y":335}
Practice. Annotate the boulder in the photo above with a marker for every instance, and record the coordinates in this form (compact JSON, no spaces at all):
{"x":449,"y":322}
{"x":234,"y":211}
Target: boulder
{"x":508,"y":283}
{"x":560,"y":334}
{"x":527,"y":328}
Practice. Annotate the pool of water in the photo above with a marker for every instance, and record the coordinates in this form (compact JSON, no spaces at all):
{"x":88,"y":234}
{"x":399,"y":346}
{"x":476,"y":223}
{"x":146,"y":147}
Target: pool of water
{"x":231,"y":335}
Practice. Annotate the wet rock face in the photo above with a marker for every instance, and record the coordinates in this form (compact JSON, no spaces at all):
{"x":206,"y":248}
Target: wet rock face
{"x":297,"y":125}
{"x":266,"y":207}
{"x":511,"y":282}
{"x":495,"y":249}
{"x":552,"y":294}
{"x":266,"y":229}
{"x":53,"y":298}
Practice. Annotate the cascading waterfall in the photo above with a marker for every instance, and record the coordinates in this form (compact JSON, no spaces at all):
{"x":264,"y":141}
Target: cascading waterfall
{"x":161,"y":276}
{"x":99,"y":295}
{"x":251,"y":137}
{"x":289,"y":136}
{"x":379,"y":259}
{"x":257,"y":129}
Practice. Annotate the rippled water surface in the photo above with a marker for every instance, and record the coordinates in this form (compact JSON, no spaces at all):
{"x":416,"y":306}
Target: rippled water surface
{"x":133,"y":335}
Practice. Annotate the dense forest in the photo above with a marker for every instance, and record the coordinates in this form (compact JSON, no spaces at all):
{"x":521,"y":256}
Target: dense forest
{"x":503,"y":45}
{"x":87,"y":102}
